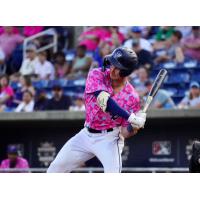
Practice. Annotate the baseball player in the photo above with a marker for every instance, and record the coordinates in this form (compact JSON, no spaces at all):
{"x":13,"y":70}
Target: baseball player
{"x":112,"y":114}
{"x":194,"y":164}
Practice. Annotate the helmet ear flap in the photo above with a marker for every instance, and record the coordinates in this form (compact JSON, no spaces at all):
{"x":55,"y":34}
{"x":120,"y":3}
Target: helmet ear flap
{"x":106,"y":63}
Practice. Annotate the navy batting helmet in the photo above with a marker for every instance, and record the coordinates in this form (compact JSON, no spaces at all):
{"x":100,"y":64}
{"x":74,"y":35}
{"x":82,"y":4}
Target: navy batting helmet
{"x":124,"y":59}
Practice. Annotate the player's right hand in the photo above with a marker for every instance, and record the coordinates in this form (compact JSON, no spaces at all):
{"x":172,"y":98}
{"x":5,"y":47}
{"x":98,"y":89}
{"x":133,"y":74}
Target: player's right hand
{"x":136,"y":121}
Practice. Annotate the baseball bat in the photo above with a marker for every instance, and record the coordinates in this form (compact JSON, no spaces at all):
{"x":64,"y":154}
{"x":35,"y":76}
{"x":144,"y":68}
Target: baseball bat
{"x":155,"y":87}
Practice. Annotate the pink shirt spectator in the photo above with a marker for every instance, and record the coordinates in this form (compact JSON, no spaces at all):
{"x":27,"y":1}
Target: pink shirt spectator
{"x":21,"y":163}
{"x":15,"y":30}
{"x":98,"y":33}
{"x":108,"y":38}
{"x":8,"y":42}
{"x":193,"y":53}
{"x":32,"y":30}
{"x":127,"y":98}
{"x":9,"y":92}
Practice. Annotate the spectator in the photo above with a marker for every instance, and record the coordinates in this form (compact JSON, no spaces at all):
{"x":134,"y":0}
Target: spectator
{"x":79,"y":104}
{"x":82,"y":62}
{"x":185,"y":30}
{"x":59,"y":101}
{"x":44,"y":69}
{"x":191,"y":44}
{"x":114,"y":38}
{"x":92,"y":36}
{"x":171,"y":49}
{"x":14,"y":161}
{"x":27,"y":104}
{"x":41,"y":101}
{"x":61,"y":67}
{"x":2,"y":62}
{"x":164,"y":33}
{"x":136,"y":33}
{"x":9,"y":40}
{"x":192,"y":100}
{"x":6,"y":93}
{"x":14,"y":30}
{"x":103,"y":50}
{"x":162,"y":98}
{"x":30,"y":61}
{"x":144,"y":56}
{"x":32,"y":30}
{"x":149,"y":32}
{"x":194,"y":162}
{"x":142,"y":76}
{"x":25,"y":82}
{"x":125,"y":30}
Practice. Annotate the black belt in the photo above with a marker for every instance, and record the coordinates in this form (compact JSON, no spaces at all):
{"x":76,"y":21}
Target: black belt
{"x":91,"y":130}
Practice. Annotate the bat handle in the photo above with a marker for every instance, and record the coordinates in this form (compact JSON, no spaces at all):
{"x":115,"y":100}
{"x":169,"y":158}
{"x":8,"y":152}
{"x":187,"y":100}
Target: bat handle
{"x":147,"y":103}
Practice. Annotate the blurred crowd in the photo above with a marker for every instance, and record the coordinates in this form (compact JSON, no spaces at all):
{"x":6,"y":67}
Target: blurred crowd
{"x":55,"y":81}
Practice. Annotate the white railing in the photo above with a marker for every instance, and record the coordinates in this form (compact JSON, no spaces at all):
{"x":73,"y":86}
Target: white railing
{"x":99,"y":169}
{"x":53,"y":45}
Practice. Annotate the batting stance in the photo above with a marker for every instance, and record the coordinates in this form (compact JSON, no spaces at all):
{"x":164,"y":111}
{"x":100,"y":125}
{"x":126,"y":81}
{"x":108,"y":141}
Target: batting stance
{"x":112,"y":114}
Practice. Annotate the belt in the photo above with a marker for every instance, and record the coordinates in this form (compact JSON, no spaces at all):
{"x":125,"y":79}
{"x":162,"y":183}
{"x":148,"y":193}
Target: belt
{"x":91,"y":130}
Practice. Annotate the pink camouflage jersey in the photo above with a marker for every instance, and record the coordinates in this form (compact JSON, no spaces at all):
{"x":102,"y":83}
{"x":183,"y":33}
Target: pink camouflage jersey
{"x":127,"y":98}
{"x":21,"y":164}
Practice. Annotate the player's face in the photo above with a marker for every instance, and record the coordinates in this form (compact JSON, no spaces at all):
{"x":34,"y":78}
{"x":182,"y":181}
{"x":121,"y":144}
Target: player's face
{"x":114,"y":73}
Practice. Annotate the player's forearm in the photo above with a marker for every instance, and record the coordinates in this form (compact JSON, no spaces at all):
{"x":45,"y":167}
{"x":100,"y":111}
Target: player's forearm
{"x":107,"y":104}
{"x":113,"y":108}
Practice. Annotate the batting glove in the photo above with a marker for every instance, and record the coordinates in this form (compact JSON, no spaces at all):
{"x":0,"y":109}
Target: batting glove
{"x":136,"y":121}
{"x":141,"y":114}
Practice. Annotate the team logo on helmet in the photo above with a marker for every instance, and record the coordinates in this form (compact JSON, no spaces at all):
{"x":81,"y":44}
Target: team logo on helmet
{"x":118,"y":54}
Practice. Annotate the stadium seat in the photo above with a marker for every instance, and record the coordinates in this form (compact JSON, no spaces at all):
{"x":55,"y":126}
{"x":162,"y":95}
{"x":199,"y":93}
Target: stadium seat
{"x":169,"y":65}
{"x":51,"y":83}
{"x":190,"y":64}
{"x":40,"y":84}
{"x":14,"y":85}
{"x":172,"y":91}
{"x":177,"y":99}
{"x":182,"y":77}
{"x":16,"y":58}
{"x":70,"y":55}
{"x":181,"y":92}
{"x":196,"y":77}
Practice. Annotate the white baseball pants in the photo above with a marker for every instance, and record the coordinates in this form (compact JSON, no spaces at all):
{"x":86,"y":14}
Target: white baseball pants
{"x":107,"y":147}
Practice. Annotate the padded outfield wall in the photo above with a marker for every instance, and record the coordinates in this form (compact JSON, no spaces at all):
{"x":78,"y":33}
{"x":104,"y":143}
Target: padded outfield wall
{"x":165,"y":141}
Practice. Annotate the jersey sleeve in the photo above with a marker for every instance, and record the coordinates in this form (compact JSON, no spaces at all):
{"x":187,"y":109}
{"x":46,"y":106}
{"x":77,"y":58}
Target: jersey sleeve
{"x":95,"y":81}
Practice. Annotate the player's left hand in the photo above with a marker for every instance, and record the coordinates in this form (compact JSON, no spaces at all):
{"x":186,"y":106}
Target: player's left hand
{"x":142,"y":115}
